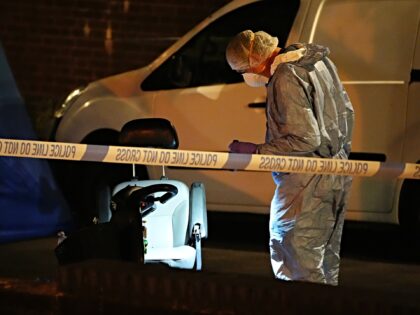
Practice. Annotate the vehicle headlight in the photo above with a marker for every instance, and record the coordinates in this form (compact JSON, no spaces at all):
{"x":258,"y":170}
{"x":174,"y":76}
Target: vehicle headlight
{"x":70,"y":99}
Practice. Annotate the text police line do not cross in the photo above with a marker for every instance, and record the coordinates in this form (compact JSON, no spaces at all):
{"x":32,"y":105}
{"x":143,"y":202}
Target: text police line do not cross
{"x":204,"y":159}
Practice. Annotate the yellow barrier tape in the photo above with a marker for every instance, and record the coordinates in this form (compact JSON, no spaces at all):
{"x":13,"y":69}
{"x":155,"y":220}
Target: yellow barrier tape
{"x":42,"y":149}
{"x":313,"y":165}
{"x":203,"y":159}
{"x":411,"y":171}
{"x":181,"y":158}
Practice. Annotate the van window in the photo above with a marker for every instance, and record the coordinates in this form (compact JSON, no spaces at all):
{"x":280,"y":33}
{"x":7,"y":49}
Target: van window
{"x":202,"y":61}
{"x":369,"y":40}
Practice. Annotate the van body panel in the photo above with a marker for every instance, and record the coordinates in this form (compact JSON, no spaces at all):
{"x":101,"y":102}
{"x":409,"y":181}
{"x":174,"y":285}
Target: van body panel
{"x":411,"y":151}
{"x":375,"y":72}
{"x":363,"y":40}
{"x":206,"y":118}
{"x":297,"y":31}
{"x":416,"y":57}
{"x":109,"y":111}
{"x":375,"y":45}
{"x":106,"y":104}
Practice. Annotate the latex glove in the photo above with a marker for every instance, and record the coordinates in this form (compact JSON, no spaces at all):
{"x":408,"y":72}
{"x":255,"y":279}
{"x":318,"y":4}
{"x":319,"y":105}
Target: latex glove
{"x":242,"y":147}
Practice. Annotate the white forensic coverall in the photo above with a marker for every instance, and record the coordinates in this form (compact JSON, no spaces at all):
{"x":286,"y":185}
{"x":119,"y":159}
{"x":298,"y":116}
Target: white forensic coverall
{"x":308,"y":114}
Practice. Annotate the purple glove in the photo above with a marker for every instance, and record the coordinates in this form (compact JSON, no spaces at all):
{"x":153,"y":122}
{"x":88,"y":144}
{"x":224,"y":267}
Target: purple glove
{"x":242,"y":147}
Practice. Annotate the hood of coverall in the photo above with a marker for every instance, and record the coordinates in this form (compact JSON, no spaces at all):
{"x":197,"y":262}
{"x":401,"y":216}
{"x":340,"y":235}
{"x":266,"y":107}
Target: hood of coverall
{"x":294,"y":129}
{"x":309,"y":54}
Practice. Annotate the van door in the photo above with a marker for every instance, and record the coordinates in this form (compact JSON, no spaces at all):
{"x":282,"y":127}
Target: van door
{"x":210,"y":105}
{"x":412,"y":136}
{"x":409,"y":198}
{"x":372,"y":44}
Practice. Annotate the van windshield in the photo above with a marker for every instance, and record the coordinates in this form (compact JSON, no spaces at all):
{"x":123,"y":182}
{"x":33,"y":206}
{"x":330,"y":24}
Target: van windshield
{"x":201,"y":61}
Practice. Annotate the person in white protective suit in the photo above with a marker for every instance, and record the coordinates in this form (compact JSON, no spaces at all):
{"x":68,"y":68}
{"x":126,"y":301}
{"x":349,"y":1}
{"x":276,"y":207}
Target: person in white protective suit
{"x":308,"y":114}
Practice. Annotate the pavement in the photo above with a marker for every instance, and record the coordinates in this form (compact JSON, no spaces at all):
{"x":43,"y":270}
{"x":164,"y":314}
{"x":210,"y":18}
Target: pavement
{"x":35,"y":260}
{"x":375,"y":273}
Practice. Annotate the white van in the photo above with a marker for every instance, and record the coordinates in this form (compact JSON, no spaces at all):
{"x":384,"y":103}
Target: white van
{"x":375,"y":45}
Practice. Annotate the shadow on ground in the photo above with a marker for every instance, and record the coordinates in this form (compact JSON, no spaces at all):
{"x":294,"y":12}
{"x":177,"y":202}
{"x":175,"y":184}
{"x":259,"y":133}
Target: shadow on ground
{"x":362,"y":241}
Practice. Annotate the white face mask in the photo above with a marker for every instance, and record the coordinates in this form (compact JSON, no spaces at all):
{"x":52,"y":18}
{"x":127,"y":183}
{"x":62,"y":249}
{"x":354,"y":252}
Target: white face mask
{"x":255,"y":80}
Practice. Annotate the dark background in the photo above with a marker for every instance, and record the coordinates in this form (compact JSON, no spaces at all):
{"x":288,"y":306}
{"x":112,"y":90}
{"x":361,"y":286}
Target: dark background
{"x":55,"y":46}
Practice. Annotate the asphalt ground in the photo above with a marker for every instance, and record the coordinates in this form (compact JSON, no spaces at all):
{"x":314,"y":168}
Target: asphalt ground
{"x":373,"y":255}
{"x":376,"y":259}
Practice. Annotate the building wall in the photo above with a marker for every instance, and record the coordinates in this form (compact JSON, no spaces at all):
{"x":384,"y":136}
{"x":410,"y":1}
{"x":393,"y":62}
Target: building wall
{"x":54,"y":46}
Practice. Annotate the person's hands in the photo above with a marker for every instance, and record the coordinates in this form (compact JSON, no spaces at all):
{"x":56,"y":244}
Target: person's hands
{"x":242,"y":147}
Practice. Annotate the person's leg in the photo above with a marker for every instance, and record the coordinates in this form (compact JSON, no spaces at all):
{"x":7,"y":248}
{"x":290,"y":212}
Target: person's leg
{"x":282,"y":221}
{"x":301,"y":222}
{"x":331,"y":264}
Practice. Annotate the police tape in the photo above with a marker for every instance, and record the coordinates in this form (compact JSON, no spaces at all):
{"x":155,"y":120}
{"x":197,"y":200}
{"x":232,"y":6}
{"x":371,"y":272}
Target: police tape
{"x":204,"y":159}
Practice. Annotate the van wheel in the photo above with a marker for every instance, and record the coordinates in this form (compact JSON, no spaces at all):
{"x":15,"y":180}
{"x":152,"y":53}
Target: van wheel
{"x":408,"y":208}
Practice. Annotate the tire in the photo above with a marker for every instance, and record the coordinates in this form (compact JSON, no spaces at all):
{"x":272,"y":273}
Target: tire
{"x":408,"y":208}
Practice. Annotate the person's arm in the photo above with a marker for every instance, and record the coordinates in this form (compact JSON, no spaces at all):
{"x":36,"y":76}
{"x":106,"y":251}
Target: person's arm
{"x":350,"y":122}
{"x":290,"y":120}
{"x":349,"y":118}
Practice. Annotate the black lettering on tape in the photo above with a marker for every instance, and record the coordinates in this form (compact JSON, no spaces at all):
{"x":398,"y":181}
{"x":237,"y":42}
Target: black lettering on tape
{"x":365,"y":168}
{"x":352,"y":168}
{"x":311,"y":166}
{"x":260,"y":166}
{"x":180,"y":158}
{"x":203,"y":159}
{"x":40,"y":149}
{"x":273,"y":163}
{"x":118,"y":155}
{"x":341,"y":169}
{"x":327,"y":166}
{"x":165,"y":157}
{"x":62,"y":151}
{"x":123,"y":154}
{"x":11,"y":148}
{"x":295,"y":165}
{"x":34,"y":149}
{"x":128,"y":155}
{"x":290,"y":164}
{"x":25,"y":148}
{"x":214,"y":159}
{"x":267,"y":163}
{"x":150,"y":156}
{"x":52,"y":151}
{"x":264,"y":163}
